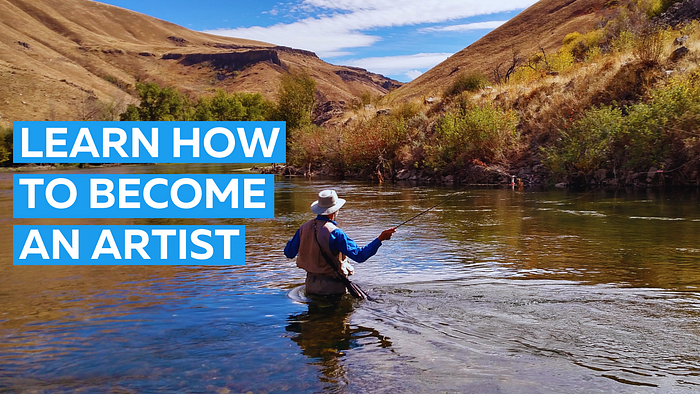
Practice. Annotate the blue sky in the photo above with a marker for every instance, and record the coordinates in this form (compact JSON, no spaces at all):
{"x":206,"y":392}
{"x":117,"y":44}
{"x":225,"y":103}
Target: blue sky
{"x":399,"y":39}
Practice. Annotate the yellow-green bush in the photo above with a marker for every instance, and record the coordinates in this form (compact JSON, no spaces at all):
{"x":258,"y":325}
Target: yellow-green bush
{"x":561,"y":61}
{"x":485,"y":133}
{"x":467,"y":82}
{"x":662,"y":133}
{"x":587,"y":145}
{"x":579,"y":44}
{"x":525,"y":74}
{"x":624,"y":42}
{"x":570,"y":38}
{"x":655,"y":8}
{"x":5,"y":146}
{"x":593,"y":54}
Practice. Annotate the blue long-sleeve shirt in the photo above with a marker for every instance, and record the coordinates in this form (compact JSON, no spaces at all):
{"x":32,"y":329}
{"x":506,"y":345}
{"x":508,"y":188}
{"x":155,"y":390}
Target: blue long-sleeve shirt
{"x":338,"y":242}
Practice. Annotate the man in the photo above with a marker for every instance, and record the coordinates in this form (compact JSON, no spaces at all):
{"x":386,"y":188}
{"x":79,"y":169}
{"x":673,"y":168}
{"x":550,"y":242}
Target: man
{"x":321,"y":236}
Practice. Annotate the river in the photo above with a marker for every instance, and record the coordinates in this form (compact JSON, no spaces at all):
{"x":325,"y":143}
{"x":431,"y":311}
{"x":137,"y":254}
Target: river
{"x":496,"y":290}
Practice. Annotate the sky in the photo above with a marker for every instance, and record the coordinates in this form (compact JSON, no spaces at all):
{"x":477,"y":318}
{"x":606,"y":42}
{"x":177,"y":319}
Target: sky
{"x":398,"y":39}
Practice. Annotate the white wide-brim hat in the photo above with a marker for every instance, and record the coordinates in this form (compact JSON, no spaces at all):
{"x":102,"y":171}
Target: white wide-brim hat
{"x":327,"y":203}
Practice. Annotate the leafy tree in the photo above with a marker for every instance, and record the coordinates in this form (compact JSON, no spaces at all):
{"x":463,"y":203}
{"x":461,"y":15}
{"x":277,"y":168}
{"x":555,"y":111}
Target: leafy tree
{"x":158,"y":104}
{"x":222,"y":106}
{"x":297,"y":97}
{"x":232,"y":106}
{"x":257,"y":108}
{"x":166,"y":103}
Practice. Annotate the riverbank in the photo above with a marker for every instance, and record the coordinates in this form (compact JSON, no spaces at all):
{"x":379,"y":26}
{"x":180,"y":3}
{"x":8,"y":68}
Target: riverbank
{"x":616,"y":106}
{"x":59,"y":166}
{"x":495,"y":175}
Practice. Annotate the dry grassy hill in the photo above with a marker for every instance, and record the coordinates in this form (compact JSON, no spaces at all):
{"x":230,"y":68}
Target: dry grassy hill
{"x":543,"y":25}
{"x":65,"y":59}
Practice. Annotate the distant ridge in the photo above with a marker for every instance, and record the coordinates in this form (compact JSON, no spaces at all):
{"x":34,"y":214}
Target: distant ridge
{"x":544,"y":24}
{"x":61,"y":59}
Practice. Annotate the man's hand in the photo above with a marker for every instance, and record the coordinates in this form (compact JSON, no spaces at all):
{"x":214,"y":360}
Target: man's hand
{"x":386,"y":234}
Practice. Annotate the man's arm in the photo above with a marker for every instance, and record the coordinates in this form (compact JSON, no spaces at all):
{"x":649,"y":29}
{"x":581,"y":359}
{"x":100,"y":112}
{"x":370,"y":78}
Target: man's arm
{"x":292,"y":247}
{"x":339,"y":241}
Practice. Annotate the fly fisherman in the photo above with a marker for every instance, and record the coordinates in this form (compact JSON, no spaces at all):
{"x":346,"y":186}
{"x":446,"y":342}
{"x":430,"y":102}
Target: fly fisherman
{"x":323,"y":248}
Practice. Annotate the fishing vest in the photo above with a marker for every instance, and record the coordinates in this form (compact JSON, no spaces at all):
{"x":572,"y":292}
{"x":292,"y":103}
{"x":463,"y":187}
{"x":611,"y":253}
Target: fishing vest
{"x":310,"y":257}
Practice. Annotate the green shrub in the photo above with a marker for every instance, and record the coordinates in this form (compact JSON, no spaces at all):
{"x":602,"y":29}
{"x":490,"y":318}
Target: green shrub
{"x":485,"y":133}
{"x":587,"y":145}
{"x":670,"y":119}
{"x":366,"y":98}
{"x":232,"y":107}
{"x":257,"y":108}
{"x":660,"y":133}
{"x":5,"y":146}
{"x":467,"y":82}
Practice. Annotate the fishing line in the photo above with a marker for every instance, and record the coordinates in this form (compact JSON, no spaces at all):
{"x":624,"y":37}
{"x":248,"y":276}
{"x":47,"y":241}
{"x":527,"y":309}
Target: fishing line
{"x":450,"y":197}
{"x":436,"y":205}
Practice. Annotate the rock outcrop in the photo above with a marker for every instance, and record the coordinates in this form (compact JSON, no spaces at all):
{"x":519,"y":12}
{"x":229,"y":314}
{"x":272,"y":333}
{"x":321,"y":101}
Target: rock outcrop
{"x":681,"y":12}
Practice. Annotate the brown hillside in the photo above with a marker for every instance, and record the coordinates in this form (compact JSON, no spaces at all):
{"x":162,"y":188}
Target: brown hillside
{"x":544,"y":24}
{"x":63,"y":59}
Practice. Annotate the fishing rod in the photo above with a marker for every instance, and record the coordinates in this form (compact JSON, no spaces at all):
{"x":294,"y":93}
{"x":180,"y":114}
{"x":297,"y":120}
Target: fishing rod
{"x":434,"y":206}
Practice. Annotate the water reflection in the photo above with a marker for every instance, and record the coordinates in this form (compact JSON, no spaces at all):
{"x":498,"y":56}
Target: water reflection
{"x":324,"y":334}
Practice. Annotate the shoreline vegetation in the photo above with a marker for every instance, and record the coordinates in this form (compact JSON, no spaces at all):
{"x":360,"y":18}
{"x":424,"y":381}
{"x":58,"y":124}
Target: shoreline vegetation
{"x":615,"y":106}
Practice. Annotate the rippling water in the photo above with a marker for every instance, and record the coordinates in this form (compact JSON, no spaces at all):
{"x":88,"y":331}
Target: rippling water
{"x":497,"y":290}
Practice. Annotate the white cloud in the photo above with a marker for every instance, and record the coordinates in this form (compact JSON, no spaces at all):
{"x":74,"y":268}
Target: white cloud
{"x":404,"y":64}
{"x":322,"y":36}
{"x":341,"y":24}
{"x":413,"y":74}
{"x":465,"y":27}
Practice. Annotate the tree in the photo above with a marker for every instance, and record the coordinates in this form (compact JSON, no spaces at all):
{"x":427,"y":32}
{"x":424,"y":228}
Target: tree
{"x":222,"y":107}
{"x":257,"y":108}
{"x":166,"y":103}
{"x":297,"y":97}
{"x":514,"y":63}
{"x":158,"y":104}
{"x":232,"y":107}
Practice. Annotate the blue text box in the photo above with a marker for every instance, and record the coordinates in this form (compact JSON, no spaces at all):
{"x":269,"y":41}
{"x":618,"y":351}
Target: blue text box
{"x":143,"y":196}
{"x":128,"y":245}
{"x":149,"y":142}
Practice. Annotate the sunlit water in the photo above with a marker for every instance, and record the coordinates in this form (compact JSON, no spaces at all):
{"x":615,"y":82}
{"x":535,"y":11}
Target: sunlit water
{"x":497,"y":290}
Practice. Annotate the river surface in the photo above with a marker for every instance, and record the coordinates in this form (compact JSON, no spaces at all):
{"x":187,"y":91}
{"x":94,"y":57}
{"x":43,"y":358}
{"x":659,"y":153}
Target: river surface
{"x":495,"y":291}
